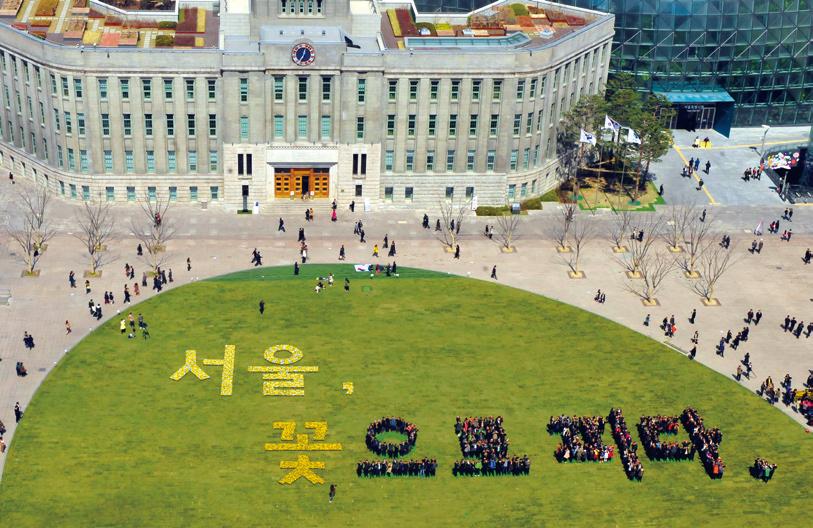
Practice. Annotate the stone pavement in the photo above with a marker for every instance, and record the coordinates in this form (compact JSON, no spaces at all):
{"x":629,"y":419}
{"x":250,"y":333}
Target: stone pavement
{"x":776,"y":281}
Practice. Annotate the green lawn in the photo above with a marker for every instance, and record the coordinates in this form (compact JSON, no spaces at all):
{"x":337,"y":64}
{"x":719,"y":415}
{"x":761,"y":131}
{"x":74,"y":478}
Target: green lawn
{"x":111,"y":440}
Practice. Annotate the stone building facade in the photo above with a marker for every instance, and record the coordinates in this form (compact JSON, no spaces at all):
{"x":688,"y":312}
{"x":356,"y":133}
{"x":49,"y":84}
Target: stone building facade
{"x":352,"y":117}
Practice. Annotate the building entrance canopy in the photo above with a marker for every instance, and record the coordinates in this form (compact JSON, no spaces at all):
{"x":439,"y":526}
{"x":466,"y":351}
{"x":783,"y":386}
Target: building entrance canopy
{"x":706,"y":106}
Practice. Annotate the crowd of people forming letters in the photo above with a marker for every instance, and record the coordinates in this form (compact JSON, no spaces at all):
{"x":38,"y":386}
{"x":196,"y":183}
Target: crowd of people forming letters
{"x":581,"y":439}
{"x":485,"y":440}
{"x":383,"y":468}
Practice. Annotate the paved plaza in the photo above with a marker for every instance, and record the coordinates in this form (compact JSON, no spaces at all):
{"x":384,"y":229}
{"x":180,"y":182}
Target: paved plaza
{"x":775,"y":281}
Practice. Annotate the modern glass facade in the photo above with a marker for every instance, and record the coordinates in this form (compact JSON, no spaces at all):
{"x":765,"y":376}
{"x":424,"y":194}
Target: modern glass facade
{"x":759,"y":51}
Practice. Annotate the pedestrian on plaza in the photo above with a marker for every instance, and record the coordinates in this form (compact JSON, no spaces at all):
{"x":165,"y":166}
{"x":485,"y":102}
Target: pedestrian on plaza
{"x":808,"y":256}
{"x":738,"y":375}
{"x":313,"y":216}
{"x":169,"y":275}
{"x":139,"y":250}
{"x":691,"y":161}
{"x":333,"y":216}
{"x":375,"y":250}
{"x":361,"y":237}
{"x":425,"y":223}
{"x":451,"y":226}
{"x":126,"y":294}
{"x":296,"y":268}
{"x":281,"y":226}
{"x":2,"y":443}
{"x":136,"y":290}
{"x":188,"y":264}
{"x":757,"y":317}
{"x":697,"y":164}
{"x":703,"y":216}
{"x":106,"y":298}
{"x":646,"y":320}
{"x":307,"y":215}
{"x":18,"y":412}
{"x":353,"y":206}
{"x":660,"y":190}
{"x":700,"y":184}
{"x":696,"y":337}
{"x":790,"y":214}
{"x":708,"y":166}
{"x":391,"y":253}
{"x":301,"y":236}
{"x":341,"y":252}
{"x":304,"y":253}
{"x":692,"y":317}
{"x":98,"y":311}
{"x":122,"y":326}
{"x":386,"y":241}
{"x":28,"y":340}
{"x":87,"y":286}
{"x":332,"y":494}
{"x":72,"y":279}
{"x":790,"y":234}
{"x":457,"y":251}
{"x":759,"y":246}
{"x":693,"y":352}
{"x":164,"y":275}
{"x":437,"y":225}
{"x":494,"y":272}
{"x":347,"y":285}
{"x":262,"y":306}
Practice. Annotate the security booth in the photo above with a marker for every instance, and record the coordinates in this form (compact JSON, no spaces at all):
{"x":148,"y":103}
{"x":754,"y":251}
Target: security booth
{"x":698,"y":106}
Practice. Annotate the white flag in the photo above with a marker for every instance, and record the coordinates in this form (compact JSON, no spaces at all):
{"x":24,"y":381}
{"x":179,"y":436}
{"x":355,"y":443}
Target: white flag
{"x":633,"y":137}
{"x":611,"y":124}
{"x":587,"y":137}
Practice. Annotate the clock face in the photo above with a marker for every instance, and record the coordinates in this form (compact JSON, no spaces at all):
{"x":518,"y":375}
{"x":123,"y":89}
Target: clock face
{"x":303,"y":54}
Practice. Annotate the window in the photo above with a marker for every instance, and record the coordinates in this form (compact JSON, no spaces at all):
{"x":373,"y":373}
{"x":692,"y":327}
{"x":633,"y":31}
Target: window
{"x":77,"y":86}
{"x":211,"y":84}
{"x":244,"y":128}
{"x":151,"y":195}
{"x":470,"y":160}
{"x":473,"y":125}
{"x":430,"y":160}
{"x":173,"y":194}
{"x":361,"y":90}
{"x":388,"y":194}
{"x":388,"y":160}
{"x":105,"y":125}
{"x":86,"y":192}
{"x":533,"y":187}
{"x":517,"y":123}
{"x":168,"y":89}
{"x":491,"y":157}
{"x":65,"y":89}
{"x":469,"y":192}
{"x":192,"y":161}
{"x":529,"y":123}
{"x":108,"y":160}
{"x":410,"y":160}
{"x":279,"y":88}
{"x":129,"y":162}
{"x":434,"y":84}
{"x":279,"y":126}
{"x":392,"y":89}
{"x":193,"y":193}
{"x":148,"y":125}
{"x":68,"y":123}
{"x":243,"y":90}
{"x":172,"y":161}
{"x":150,"y":161}
{"x":214,"y":192}
{"x":327,"y":84}
{"x":523,"y":190}
{"x":146,"y":89}
{"x":303,"y":89}
{"x":190,"y":89}
{"x":84,"y":161}
{"x":53,"y":84}
{"x":411,"y":125}
{"x":520,"y":89}
{"x":450,"y":193}
{"x":433,"y":118}
{"x":190,"y":124}
{"x":73,"y":190}
{"x":170,"y":125}
{"x":455,"y":91}
{"x":110,"y":193}
{"x":413,"y":89}
{"x":449,"y":160}
{"x":493,"y":125}
{"x":539,"y":121}
{"x":124,"y":86}
{"x":213,"y":161}
{"x":536,"y":157}
{"x":212,"y":125}
{"x":533,"y":88}
{"x":80,"y":123}
{"x":526,"y":158}
{"x":59,"y":159}
{"x":512,"y":191}
{"x":358,"y":190}
{"x":542,"y":87}
{"x":452,"y":125}
{"x":513,"y":164}
{"x":390,"y":125}
{"x":302,"y":127}
{"x":475,"y":89}
{"x":359,"y":128}
{"x":131,"y":194}
{"x":127,"y":124}
{"x":326,"y":127}
{"x":71,"y":159}
{"x":497,"y":90}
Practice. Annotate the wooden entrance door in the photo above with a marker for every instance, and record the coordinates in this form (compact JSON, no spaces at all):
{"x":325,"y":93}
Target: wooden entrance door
{"x":299,"y":180}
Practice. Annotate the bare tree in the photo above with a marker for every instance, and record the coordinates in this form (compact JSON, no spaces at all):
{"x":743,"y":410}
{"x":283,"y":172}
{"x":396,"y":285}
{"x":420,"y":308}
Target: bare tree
{"x":620,"y":230}
{"x":560,"y":230}
{"x":644,"y":234}
{"x":714,"y":262}
{"x":154,"y":229}
{"x":696,"y":236}
{"x":29,"y":240}
{"x":35,"y":204}
{"x":674,"y":233}
{"x":581,"y":232}
{"x":96,"y":226}
{"x":653,"y":269}
{"x":508,"y":227}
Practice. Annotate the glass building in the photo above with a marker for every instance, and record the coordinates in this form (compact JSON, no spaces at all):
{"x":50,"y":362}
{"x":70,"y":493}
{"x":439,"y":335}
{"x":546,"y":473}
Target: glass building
{"x":723,"y":63}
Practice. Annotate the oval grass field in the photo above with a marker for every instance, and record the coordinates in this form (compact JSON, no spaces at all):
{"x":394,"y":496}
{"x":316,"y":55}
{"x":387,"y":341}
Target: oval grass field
{"x":111,"y":440}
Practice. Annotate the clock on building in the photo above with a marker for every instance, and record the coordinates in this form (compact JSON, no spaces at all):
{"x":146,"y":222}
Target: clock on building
{"x":303,"y":54}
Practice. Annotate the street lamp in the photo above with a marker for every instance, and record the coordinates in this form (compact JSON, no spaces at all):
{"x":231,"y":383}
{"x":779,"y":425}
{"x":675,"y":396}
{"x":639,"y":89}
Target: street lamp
{"x":765,"y":128}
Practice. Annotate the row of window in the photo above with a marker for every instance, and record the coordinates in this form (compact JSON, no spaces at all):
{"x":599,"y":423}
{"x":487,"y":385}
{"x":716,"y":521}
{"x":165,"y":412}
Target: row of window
{"x":110,"y":192}
{"x":192,"y":164}
{"x":431,"y":165}
{"x":409,"y":192}
{"x":520,"y":124}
